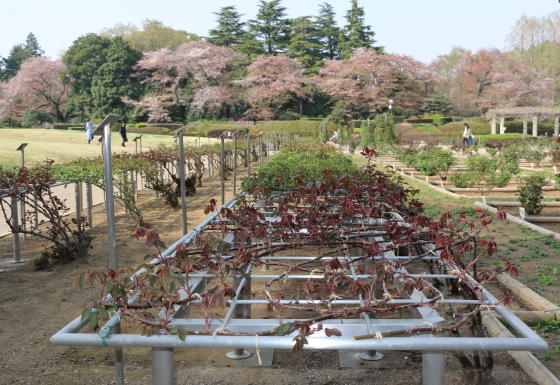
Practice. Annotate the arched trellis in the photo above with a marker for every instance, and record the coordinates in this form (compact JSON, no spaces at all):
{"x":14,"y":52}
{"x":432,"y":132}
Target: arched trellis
{"x":341,"y":117}
{"x":523,"y":113}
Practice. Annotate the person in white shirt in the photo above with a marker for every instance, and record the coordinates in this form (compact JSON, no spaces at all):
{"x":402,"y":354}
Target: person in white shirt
{"x":89,"y":130}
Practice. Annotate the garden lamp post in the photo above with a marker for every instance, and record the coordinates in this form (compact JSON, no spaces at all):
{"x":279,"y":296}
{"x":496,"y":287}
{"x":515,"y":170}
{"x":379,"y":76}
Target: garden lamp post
{"x":135,"y":140}
{"x":391,"y":101}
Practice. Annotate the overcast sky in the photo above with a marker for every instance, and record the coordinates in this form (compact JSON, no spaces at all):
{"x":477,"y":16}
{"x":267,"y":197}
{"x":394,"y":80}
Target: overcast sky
{"x":423,"y":29}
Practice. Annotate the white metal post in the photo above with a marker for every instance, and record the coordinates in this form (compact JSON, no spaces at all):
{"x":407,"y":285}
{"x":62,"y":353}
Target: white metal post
{"x":163,"y":366}
{"x":433,"y":367}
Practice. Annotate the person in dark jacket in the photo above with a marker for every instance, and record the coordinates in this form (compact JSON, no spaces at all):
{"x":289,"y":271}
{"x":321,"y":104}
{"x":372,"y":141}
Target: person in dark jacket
{"x":122,"y":132}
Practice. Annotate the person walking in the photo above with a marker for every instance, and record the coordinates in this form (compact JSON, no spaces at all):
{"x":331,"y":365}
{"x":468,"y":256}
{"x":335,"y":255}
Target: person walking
{"x":465,"y":134}
{"x":89,"y":130}
{"x":122,"y":132}
{"x":470,"y":136}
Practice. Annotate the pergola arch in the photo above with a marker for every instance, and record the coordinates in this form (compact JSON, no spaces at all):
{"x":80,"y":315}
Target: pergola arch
{"x":523,"y":113}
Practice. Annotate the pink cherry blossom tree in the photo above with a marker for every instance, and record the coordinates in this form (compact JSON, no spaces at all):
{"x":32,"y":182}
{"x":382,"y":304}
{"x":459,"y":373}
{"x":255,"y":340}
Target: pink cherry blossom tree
{"x":272,"y":82}
{"x":38,"y":85}
{"x":367,"y":80}
{"x":196,"y":71}
{"x":492,"y":78}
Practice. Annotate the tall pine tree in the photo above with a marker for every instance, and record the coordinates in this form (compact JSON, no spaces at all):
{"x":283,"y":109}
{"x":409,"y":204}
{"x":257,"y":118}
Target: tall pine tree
{"x":229,"y":32}
{"x":305,"y":45}
{"x":271,"y":26}
{"x":18,"y":54}
{"x":328,"y":31}
{"x":356,"y":33}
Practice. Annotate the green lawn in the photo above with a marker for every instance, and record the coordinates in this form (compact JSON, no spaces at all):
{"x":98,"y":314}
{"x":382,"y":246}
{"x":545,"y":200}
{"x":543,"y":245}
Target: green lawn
{"x":62,"y":145}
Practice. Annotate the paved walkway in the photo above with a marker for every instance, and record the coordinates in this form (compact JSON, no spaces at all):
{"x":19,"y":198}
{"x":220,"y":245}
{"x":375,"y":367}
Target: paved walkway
{"x":68,"y":194}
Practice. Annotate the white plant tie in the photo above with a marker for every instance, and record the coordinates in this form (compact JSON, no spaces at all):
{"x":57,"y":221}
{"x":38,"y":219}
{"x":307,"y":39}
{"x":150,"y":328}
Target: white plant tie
{"x":333,"y":297}
{"x":311,"y":275}
{"x":286,"y":276}
{"x":387,"y":295}
{"x":440,"y":301}
{"x":268,"y":295}
{"x":117,"y":314}
{"x":257,"y":350}
{"x":427,"y":323}
{"x":378,"y":336}
{"x":219,"y":330}
{"x":197,"y":296}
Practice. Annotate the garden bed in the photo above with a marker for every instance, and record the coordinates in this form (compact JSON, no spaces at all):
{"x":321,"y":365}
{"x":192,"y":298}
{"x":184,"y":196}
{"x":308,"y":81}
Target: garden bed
{"x":29,"y":358}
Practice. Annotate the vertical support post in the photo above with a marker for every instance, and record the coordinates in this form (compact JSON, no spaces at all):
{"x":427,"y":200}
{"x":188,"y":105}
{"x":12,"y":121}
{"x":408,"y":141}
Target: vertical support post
{"x":89,"y":199}
{"x":235,"y":162}
{"x":23,"y":218}
{"x":222,"y":168}
{"x":15,"y":236}
{"x":247,"y":307}
{"x":260,"y":149}
{"x":493,"y":126}
{"x":239,"y":313}
{"x":182,"y":181}
{"x":119,"y":367}
{"x":36,"y":214}
{"x":524,"y":126}
{"x":556,"y":130}
{"x":502,"y":125}
{"x":22,"y":204}
{"x":109,"y":198}
{"x":134,"y":178}
{"x":163,"y":366}
{"x":535,"y":126}
{"x":433,"y":368}
{"x":249,"y":153}
{"x":79,"y":204}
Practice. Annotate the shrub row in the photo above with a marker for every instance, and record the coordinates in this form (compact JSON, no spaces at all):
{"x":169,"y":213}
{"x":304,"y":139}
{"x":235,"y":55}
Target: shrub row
{"x":304,"y":128}
{"x":300,"y":162}
{"x":418,"y":121}
{"x":440,"y":121}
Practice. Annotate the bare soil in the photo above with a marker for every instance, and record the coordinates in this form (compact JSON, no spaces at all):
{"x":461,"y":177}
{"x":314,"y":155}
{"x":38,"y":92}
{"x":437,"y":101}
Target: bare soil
{"x":36,"y":304}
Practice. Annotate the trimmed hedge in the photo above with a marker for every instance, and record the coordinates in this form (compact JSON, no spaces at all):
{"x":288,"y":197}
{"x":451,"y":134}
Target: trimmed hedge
{"x":456,"y":128}
{"x":479,"y":119}
{"x":169,"y":126}
{"x":62,"y":126}
{"x":418,"y":121}
{"x":204,"y":128}
{"x":440,"y":121}
{"x":305,"y":128}
{"x":218,"y":132}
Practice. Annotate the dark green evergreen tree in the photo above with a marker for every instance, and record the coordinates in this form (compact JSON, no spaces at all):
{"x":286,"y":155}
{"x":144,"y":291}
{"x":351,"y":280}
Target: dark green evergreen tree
{"x":82,"y":60}
{"x":328,"y":31}
{"x":112,"y":80}
{"x":230,"y":31}
{"x":250,"y":46}
{"x":356,"y":33}
{"x":32,"y":46}
{"x":18,"y":54}
{"x":305,"y":45}
{"x":271,"y":27}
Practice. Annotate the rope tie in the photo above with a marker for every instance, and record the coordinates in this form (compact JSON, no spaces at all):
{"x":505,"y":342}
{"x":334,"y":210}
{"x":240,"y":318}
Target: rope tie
{"x":268,"y":295}
{"x":219,"y":330}
{"x":378,"y":336}
{"x":257,"y":350}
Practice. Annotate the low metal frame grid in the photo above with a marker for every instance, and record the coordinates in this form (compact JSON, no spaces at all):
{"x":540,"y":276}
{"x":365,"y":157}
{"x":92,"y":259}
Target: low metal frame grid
{"x":238,"y":319}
